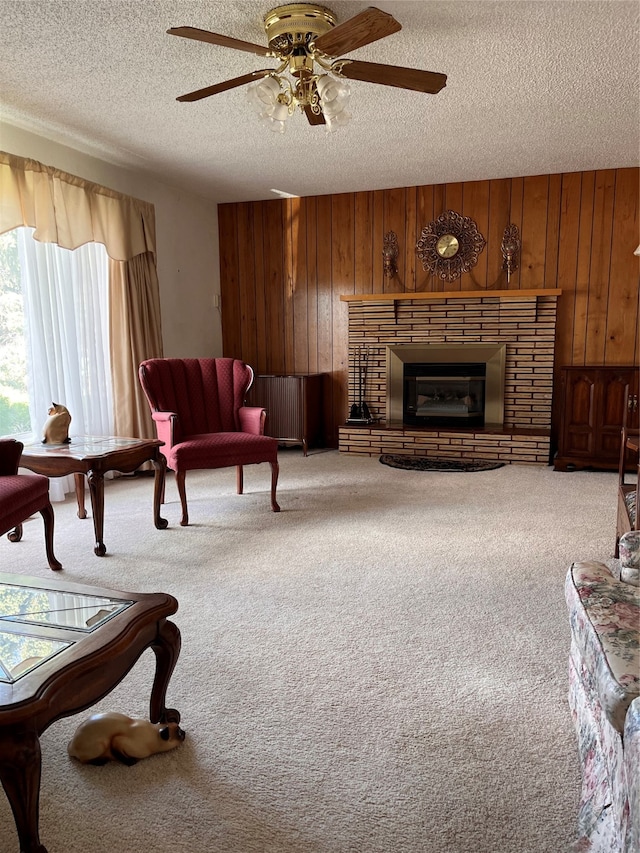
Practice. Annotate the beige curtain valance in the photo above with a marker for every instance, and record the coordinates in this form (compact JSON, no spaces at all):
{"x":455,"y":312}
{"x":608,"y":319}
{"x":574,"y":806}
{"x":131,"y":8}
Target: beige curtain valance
{"x":70,"y":211}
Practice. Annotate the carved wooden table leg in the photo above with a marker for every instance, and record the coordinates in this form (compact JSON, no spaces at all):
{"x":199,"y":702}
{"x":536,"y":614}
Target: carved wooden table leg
{"x":166,"y":646}
{"x":79,"y":482}
{"x":160,"y":465}
{"x":20,"y":767}
{"x":96,"y":490}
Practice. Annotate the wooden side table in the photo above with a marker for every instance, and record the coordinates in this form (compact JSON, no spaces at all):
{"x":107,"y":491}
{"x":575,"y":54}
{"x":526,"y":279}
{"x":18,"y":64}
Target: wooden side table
{"x":92,"y":456}
{"x":63,"y":647}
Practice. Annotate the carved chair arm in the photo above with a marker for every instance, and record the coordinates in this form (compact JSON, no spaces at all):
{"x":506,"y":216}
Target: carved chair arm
{"x":252,"y":419}
{"x":167,"y":427}
{"x":10,"y":453}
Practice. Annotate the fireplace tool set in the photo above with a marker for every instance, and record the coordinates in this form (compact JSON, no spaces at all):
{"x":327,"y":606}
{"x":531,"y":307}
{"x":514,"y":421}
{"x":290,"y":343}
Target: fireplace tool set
{"x":359,"y":413}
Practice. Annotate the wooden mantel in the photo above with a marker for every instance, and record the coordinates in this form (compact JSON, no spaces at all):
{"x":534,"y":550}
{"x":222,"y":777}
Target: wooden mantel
{"x":452,"y":294}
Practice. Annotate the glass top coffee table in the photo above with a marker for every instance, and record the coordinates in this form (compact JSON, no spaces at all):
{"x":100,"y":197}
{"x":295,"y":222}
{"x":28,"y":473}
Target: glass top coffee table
{"x":92,"y":456}
{"x":63,"y":647}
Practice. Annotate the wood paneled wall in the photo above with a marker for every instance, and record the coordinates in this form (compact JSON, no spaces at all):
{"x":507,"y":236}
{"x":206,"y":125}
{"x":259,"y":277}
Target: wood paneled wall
{"x":285,"y":263}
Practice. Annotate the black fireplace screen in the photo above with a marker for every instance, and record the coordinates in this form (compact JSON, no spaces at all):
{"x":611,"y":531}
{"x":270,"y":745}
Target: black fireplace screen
{"x":444,"y":394}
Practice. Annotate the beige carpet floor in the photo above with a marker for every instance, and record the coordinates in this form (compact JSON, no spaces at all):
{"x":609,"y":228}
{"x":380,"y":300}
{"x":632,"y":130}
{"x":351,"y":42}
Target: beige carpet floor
{"x":380,"y":667}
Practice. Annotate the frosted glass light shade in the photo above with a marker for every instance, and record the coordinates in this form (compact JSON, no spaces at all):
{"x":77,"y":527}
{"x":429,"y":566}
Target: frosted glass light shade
{"x":280,"y":112}
{"x":332,"y":90}
{"x":339,"y":120}
{"x":263,"y":94}
{"x":334,"y":97}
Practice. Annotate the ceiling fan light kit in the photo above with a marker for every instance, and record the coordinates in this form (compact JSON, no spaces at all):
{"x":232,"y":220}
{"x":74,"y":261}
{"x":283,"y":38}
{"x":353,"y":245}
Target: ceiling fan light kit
{"x":275,"y":100}
{"x":304,"y":38}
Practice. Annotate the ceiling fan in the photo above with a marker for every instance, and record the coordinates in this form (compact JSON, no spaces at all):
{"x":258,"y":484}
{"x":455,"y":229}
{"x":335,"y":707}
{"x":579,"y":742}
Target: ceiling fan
{"x":300,"y":37}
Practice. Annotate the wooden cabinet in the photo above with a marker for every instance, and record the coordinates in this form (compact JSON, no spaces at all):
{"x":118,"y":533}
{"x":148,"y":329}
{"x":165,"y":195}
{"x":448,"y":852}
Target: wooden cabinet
{"x":593,"y":405}
{"x":294,"y":407}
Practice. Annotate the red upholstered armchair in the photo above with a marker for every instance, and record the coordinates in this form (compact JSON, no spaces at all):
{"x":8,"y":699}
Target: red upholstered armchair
{"x":21,"y":495}
{"x":198,"y":408}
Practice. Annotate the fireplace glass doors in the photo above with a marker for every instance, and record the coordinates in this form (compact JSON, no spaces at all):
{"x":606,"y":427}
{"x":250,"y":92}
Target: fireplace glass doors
{"x":455,"y":386}
{"x":444,"y":394}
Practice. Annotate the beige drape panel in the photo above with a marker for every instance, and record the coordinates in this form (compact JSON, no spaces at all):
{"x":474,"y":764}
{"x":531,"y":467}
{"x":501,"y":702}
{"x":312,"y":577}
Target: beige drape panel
{"x":70,"y":211}
{"x":134,"y":335}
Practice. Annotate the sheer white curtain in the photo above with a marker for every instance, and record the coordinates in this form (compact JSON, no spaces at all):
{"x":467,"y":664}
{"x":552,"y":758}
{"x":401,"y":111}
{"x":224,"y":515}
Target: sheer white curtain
{"x":66,"y":296}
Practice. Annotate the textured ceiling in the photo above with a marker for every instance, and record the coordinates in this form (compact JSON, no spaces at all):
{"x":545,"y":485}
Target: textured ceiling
{"x":533,"y":88}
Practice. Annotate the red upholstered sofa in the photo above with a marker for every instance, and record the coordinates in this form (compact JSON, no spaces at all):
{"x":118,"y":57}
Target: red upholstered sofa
{"x":198,"y":406}
{"x":22,"y":495}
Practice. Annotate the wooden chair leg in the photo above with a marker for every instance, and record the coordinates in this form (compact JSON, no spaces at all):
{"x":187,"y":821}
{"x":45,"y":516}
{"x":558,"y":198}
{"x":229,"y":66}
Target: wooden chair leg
{"x":15,"y":535}
{"x":275,"y":468}
{"x":239,"y":479}
{"x":180,"y":477}
{"x":47,"y":514}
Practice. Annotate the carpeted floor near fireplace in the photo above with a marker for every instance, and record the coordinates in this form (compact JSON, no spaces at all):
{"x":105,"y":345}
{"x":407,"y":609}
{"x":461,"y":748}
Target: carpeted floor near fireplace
{"x":380,"y":667}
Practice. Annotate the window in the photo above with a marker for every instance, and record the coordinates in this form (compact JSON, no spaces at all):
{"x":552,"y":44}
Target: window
{"x":54,"y":337}
{"x":14,"y":399}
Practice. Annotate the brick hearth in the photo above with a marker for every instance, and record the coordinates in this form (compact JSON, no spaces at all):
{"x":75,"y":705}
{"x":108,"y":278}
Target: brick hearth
{"x":525,"y":321}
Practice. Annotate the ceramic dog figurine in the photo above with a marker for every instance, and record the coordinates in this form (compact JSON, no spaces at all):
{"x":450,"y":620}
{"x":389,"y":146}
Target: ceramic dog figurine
{"x":56,"y":427}
{"x":116,"y":737}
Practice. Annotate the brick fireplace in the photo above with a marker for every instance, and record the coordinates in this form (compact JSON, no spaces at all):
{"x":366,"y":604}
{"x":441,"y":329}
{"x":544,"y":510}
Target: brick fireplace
{"x":511,"y":332}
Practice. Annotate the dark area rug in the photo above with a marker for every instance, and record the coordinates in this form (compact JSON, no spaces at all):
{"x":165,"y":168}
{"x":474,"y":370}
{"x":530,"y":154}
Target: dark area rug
{"x":423,"y":463}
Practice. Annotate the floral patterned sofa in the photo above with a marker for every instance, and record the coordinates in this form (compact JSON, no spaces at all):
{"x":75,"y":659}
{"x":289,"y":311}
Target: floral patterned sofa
{"x":604,"y":696}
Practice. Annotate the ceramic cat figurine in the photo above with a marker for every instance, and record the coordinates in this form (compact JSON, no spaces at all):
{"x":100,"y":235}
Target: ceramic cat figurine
{"x":116,"y":737}
{"x":56,"y":428}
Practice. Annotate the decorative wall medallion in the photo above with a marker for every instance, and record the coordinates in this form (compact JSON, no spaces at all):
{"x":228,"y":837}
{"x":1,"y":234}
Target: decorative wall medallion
{"x":449,"y":246}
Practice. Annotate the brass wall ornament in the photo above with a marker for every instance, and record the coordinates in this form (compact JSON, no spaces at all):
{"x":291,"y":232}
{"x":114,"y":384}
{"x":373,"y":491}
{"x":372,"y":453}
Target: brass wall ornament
{"x":390,"y":253}
{"x":449,"y":246}
{"x":510,"y":249}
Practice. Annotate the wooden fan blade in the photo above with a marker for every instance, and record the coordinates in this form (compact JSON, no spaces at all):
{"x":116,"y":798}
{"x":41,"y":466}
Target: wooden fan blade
{"x":369,"y":25}
{"x":391,"y":75}
{"x":222,"y":41}
{"x":227,"y":84}
{"x":314,"y":118}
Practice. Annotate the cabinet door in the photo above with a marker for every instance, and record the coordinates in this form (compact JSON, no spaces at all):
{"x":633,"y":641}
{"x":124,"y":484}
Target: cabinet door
{"x":579,"y":416}
{"x":612,"y":386}
{"x":633,"y":411}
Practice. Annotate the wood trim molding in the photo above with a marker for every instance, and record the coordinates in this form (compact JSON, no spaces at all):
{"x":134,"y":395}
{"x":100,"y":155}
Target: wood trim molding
{"x":454,"y":294}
